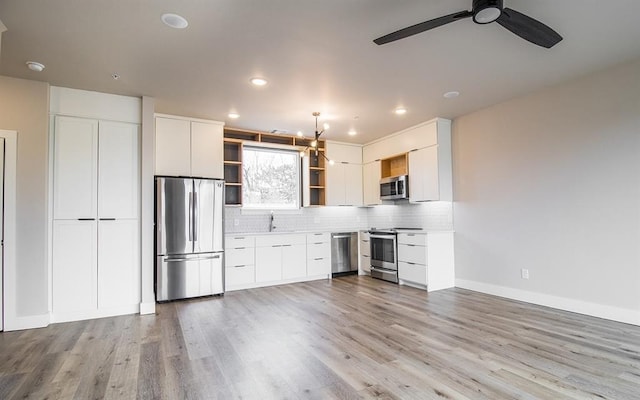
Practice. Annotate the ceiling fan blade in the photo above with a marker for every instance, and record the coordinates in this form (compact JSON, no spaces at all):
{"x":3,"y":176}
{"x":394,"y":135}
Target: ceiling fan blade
{"x":528,"y":28}
{"x":421,"y":27}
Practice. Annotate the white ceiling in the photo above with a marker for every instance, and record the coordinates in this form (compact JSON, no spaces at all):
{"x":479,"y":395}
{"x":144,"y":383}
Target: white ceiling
{"x":317,"y":56}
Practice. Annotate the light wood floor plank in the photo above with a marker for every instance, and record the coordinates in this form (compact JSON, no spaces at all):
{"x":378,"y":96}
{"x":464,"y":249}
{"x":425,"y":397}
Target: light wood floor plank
{"x":346,"y":338}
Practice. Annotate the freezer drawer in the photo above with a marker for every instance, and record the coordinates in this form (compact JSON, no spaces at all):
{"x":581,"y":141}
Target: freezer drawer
{"x":181,"y":277}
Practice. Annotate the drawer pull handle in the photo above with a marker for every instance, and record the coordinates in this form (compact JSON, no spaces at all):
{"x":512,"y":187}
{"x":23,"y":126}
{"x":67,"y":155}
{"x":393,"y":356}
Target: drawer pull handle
{"x":239,"y":237}
{"x":239,"y":266}
{"x":318,"y":259}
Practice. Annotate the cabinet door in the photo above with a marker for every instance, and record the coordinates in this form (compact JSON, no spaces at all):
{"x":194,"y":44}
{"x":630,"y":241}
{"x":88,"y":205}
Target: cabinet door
{"x":339,"y":152}
{"x":173,"y":147}
{"x":119,"y":170}
{"x":74,"y":266}
{"x":207,"y":150}
{"x":319,"y":266}
{"x":423,"y":174}
{"x":75,"y":166}
{"x":335,"y":184}
{"x":294,"y":261}
{"x":353,"y":184}
{"x":269,"y":263}
{"x":371,"y":183}
{"x":118,"y":263}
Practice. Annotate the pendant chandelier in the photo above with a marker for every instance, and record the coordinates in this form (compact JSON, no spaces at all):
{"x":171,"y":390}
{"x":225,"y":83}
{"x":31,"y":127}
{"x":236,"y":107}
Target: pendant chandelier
{"x":313,"y":146}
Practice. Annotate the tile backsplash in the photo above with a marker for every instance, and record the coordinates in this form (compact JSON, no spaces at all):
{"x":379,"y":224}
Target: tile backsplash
{"x":432,"y":215}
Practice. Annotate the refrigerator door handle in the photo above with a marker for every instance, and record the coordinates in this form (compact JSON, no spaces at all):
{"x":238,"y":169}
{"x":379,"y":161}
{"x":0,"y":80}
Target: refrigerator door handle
{"x":190,"y":217}
{"x":192,"y":258}
{"x":195,"y":216}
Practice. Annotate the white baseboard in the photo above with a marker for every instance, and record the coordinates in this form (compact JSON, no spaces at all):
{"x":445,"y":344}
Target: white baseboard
{"x":147,"y":308}
{"x":30,"y":322}
{"x":627,"y":316}
{"x":93,"y":314}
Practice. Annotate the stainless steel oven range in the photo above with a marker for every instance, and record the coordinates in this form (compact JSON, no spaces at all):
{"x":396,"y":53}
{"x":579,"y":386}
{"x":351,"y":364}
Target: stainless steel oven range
{"x":384,"y":254}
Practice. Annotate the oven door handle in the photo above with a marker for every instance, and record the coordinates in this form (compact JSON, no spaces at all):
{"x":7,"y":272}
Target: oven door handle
{"x":391,"y":236}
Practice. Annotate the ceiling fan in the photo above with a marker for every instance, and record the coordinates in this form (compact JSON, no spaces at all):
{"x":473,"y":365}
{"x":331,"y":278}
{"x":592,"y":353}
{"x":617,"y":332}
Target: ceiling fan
{"x":485,"y":12}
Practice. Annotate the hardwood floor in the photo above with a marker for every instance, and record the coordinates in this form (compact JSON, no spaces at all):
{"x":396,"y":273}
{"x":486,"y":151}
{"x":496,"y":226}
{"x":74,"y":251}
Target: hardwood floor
{"x":349,"y":338}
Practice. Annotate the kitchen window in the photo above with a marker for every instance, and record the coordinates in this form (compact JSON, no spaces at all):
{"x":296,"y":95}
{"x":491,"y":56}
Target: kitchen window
{"x":270,"y":178}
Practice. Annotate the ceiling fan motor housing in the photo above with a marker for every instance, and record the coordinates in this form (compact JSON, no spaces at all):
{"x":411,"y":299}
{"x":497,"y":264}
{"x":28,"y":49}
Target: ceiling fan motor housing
{"x":486,"y":11}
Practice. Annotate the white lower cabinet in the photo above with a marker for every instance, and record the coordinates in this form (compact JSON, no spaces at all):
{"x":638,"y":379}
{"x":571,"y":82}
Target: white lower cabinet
{"x":426,"y":260}
{"x":269,"y":263}
{"x":364,"y":248}
{"x":258,"y":260}
{"x":318,"y":254}
{"x":75,"y":249}
{"x":294,"y":261}
{"x":118,"y":261}
{"x":280,"y":257}
{"x":96,"y":269}
{"x":239,"y":276}
{"x":239,"y":262}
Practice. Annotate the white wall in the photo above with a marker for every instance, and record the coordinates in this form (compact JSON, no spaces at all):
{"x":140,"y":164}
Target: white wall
{"x":23,"y":107}
{"x":551,"y":182}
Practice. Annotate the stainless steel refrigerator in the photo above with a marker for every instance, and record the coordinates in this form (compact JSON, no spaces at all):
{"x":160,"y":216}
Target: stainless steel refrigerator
{"x":189,"y":237}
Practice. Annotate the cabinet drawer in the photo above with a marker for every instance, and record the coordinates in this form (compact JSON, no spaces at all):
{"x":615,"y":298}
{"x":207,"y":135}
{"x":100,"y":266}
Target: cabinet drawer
{"x":279,"y":240}
{"x":231,"y":242}
{"x":365,"y":263}
{"x":239,"y":256}
{"x":412,"y":238}
{"x":412,"y":272}
{"x":318,"y":266}
{"x":318,"y":237}
{"x":235,"y":276}
{"x":319,"y":250}
{"x":413,"y":254}
{"x":365,"y":248}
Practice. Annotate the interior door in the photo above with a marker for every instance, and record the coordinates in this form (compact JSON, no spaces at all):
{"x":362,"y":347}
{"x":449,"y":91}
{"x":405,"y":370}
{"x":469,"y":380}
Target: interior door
{"x":1,"y":234}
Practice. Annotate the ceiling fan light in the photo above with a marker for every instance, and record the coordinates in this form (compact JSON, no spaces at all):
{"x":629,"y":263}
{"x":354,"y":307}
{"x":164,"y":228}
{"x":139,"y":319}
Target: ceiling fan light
{"x":486,"y":11}
{"x":314,"y":143}
{"x":487,"y":15}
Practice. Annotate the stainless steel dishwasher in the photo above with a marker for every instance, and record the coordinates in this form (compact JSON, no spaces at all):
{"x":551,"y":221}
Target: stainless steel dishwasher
{"x":344,"y":253}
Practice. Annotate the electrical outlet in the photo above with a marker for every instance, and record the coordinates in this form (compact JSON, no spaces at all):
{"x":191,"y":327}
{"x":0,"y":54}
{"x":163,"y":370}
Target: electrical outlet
{"x":236,"y":222}
{"x":525,"y":273}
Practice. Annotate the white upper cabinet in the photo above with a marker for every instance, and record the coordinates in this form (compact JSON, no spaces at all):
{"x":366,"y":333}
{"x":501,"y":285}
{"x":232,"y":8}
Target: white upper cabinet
{"x":75,"y":168}
{"x":344,"y":177}
{"x":423,"y":175}
{"x":118,"y":185}
{"x":187,"y":147}
{"x":429,"y":148}
{"x":371,"y":183}
{"x":207,"y":150}
{"x":173,"y":147}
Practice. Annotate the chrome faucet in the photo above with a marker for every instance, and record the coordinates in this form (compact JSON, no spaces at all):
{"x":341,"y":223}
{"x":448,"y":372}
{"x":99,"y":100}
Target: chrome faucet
{"x":271,"y":225}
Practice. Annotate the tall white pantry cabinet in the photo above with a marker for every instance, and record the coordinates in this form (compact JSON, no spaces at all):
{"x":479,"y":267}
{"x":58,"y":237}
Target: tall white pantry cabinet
{"x":95,"y":228}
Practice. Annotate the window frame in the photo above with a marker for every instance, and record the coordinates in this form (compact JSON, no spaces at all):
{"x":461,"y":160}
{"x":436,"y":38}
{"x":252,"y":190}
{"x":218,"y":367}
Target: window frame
{"x":294,"y":151}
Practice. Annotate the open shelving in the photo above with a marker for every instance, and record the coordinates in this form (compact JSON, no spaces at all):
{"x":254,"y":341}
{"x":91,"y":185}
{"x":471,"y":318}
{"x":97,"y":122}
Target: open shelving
{"x":235,"y":139}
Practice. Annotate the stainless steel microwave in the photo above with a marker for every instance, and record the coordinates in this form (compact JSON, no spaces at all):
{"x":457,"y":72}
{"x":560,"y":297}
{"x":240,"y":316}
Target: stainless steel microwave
{"x":394,"y":188}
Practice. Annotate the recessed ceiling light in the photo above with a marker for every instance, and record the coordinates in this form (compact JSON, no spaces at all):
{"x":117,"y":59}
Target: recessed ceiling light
{"x":326,"y":126}
{"x":174,"y":21}
{"x":352,"y":132}
{"x":35,"y":66}
{"x":400,"y":111}
{"x":258,"y":81}
{"x":299,"y":134}
{"x":115,"y":76}
{"x":451,"y":95}
{"x":233,"y":115}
